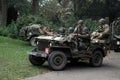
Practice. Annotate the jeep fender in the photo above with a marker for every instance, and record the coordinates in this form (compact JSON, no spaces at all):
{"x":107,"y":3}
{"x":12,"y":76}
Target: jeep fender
{"x":100,"y":48}
{"x":29,"y":37}
{"x":65,"y":50}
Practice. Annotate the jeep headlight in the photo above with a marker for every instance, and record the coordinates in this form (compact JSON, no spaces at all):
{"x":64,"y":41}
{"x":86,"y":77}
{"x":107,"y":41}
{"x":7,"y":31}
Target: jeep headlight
{"x":50,"y":44}
{"x":96,"y":41}
{"x":37,"y":42}
{"x":30,"y":33}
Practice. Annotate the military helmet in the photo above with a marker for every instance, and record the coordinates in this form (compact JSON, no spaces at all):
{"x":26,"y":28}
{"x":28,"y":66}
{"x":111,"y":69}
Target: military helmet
{"x":102,"y":20}
{"x":80,"y":22}
{"x":62,"y":30}
{"x":70,"y":30}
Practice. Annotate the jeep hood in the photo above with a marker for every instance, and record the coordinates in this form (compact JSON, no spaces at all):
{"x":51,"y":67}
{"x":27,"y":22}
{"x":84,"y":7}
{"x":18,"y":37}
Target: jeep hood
{"x":55,"y":38}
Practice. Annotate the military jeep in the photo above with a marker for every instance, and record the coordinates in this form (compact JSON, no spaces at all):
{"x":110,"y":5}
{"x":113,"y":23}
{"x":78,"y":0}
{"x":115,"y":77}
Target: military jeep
{"x":59,"y":49}
{"x":30,"y":32}
{"x":116,"y":35}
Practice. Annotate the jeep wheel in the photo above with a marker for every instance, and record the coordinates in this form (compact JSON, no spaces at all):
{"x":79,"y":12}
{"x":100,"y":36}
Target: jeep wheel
{"x":36,"y":61}
{"x":97,"y":59}
{"x":33,"y":41}
{"x":57,"y":60}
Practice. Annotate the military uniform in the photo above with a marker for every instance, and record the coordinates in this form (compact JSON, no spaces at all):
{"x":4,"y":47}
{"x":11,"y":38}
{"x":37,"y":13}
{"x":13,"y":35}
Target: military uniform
{"x":47,"y":31}
{"x":101,"y":34}
{"x":70,"y":30}
{"x":83,"y":34}
{"x":82,"y":31}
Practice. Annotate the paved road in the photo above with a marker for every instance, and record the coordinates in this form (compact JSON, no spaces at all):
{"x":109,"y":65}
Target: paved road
{"x":109,"y":71}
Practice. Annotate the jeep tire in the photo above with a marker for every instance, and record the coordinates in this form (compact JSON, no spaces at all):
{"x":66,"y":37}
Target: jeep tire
{"x":57,"y":60}
{"x":97,"y":59}
{"x":33,"y":41}
{"x":36,"y":61}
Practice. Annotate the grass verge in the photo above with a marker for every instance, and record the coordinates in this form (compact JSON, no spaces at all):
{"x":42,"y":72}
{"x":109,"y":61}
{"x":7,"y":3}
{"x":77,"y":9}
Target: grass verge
{"x":14,"y":63}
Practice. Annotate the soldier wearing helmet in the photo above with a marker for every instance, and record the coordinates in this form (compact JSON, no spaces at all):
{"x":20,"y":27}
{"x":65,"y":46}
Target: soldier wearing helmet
{"x":83,"y":34}
{"x":62,"y":30}
{"x":81,"y":29}
{"x":103,"y":30}
{"x":70,"y":30}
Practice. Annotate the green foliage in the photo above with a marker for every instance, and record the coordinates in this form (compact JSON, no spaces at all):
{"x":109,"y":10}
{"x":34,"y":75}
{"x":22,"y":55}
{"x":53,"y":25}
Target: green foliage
{"x":13,"y":30}
{"x":4,"y":31}
{"x":96,"y":8}
{"x":91,"y":24}
{"x":70,"y":21}
{"x":23,"y":6}
{"x":10,"y":31}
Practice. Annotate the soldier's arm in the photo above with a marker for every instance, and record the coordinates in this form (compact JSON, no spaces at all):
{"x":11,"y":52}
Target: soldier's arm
{"x":47,"y":31}
{"x":84,"y":36}
{"x":106,"y":31}
{"x":86,"y":30}
{"x":75,"y":30}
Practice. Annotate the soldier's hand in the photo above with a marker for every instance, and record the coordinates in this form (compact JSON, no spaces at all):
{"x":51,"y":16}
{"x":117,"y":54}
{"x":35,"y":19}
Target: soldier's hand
{"x":100,"y":36}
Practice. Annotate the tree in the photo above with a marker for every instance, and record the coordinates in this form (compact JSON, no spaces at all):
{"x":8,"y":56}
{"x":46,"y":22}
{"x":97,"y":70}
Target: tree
{"x":81,"y":7}
{"x":112,"y":9}
{"x":3,"y":12}
{"x":22,"y":6}
{"x":0,"y":11}
{"x":35,"y":7}
{"x":97,"y":8}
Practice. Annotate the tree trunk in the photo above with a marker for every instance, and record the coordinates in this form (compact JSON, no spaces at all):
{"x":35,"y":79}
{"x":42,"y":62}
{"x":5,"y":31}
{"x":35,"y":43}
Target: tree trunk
{"x":35,"y":7}
{"x":76,"y":4}
{"x":0,"y":12}
{"x":3,"y":12}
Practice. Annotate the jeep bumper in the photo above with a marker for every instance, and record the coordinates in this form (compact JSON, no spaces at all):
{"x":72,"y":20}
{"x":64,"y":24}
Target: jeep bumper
{"x":37,"y":54}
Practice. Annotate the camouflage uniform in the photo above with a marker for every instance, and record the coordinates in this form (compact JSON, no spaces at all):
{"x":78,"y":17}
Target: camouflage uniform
{"x":47,"y":31}
{"x":81,"y":30}
{"x":70,"y":30}
{"x":102,"y":33}
{"x":83,"y":33}
{"x":35,"y":28}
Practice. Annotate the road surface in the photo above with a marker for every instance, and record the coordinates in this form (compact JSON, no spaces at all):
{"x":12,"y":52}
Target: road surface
{"x":109,"y":71}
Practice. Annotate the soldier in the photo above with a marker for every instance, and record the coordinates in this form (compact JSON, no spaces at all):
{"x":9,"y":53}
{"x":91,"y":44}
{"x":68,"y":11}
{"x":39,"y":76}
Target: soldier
{"x":62,"y":30}
{"x":103,"y":30}
{"x":47,"y":30}
{"x":83,"y":34}
{"x":70,"y":30}
{"x":81,"y":29}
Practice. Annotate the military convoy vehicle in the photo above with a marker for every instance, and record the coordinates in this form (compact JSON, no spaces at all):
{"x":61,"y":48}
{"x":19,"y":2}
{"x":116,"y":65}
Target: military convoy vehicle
{"x":30,"y":32}
{"x":59,"y":49}
{"x":116,"y":35}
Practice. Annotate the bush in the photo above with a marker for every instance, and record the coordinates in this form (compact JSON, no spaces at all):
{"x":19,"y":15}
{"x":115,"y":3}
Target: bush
{"x":4,"y":31}
{"x":12,"y":30}
{"x":91,"y":24}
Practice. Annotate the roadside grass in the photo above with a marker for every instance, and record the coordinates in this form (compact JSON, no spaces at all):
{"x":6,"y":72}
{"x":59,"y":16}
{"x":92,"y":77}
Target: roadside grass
{"x":14,"y":63}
